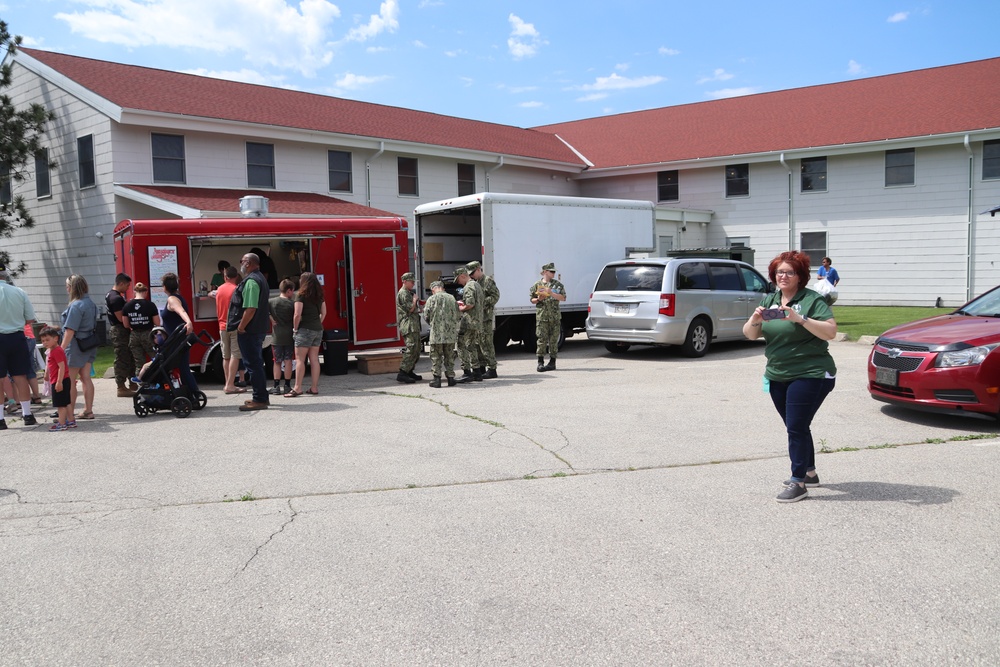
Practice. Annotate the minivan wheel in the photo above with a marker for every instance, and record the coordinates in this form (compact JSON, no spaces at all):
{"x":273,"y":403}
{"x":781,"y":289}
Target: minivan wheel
{"x":617,"y":348}
{"x":699,"y":337}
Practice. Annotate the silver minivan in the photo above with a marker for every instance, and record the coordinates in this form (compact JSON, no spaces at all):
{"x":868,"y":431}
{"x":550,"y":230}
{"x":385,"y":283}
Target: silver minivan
{"x":687,"y":301}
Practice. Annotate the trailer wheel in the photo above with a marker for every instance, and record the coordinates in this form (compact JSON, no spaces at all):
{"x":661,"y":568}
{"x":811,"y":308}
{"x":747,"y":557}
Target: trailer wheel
{"x":617,"y":347}
{"x":699,"y":337}
{"x":180,"y":406}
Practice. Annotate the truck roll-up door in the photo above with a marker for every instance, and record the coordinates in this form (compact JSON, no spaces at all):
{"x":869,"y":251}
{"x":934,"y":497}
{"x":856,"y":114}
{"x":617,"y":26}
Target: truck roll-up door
{"x":373,"y":280}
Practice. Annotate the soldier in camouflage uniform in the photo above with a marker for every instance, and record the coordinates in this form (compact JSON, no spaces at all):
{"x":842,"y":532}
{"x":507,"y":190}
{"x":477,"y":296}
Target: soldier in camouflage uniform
{"x":441,"y":313}
{"x":408,"y":321}
{"x":491,"y":294}
{"x":546,"y":295}
{"x":471,"y":306}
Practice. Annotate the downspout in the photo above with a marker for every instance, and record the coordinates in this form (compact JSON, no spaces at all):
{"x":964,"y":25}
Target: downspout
{"x":970,"y":227}
{"x":791,"y":223}
{"x":368,"y":171}
{"x":491,"y":170}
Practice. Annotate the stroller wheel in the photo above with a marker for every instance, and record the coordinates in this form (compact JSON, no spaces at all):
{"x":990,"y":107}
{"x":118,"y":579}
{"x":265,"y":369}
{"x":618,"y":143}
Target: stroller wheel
{"x":141,"y":410}
{"x":180,"y":406}
{"x":200,"y":399}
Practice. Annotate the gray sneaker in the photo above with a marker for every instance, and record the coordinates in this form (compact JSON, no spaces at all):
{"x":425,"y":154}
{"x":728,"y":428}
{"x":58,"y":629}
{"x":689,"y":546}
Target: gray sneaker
{"x":810,"y":481}
{"x":792,"y":493}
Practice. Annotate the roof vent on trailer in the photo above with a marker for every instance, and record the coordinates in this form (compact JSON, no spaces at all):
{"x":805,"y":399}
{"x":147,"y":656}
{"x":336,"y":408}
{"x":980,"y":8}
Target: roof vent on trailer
{"x":253,"y":206}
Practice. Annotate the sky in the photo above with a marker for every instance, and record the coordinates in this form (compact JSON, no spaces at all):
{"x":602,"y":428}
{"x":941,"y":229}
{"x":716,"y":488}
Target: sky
{"x":522,"y":63}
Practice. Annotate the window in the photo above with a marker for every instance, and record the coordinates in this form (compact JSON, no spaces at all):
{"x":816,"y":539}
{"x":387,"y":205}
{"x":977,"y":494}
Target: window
{"x":814,"y":245}
{"x":813,"y":174}
{"x":6,"y":189}
{"x":43,"y":184}
{"x":85,"y":157}
{"x":991,"y":159}
{"x":631,"y":277}
{"x":899,"y":167}
{"x":726,"y":277}
{"x":339,"y":164}
{"x":466,"y":179}
{"x":168,"y":158}
{"x":753,"y":282}
{"x":693,"y":275}
{"x":260,"y":165}
{"x":738,"y":180}
{"x":407,"y":170}
{"x":668,"y":186}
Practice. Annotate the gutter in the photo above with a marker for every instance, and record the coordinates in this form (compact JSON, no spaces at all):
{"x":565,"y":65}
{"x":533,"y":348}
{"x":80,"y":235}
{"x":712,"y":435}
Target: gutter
{"x":491,"y":170}
{"x":791,"y":221}
{"x":970,"y":249}
{"x":368,"y":172}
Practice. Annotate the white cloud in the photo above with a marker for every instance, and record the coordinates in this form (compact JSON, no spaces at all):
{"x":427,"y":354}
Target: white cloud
{"x":351,"y":81}
{"x":666,"y":51}
{"x":417,"y":43}
{"x":387,"y":19}
{"x":429,"y":3}
{"x":616,"y":82}
{"x":898,"y":17}
{"x":266,"y":32}
{"x":593,"y":97}
{"x":467,"y":81}
{"x":517,"y":90}
{"x":717,"y":75}
{"x":376,"y":49}
{"x":242,"y":75}
{"x":531,"y":105}
{"x":854,"y":68}
{"x":524,"y":40}
{"x":622,"y":67}
{"x":454,"y":54}
{"x":732,"y":92}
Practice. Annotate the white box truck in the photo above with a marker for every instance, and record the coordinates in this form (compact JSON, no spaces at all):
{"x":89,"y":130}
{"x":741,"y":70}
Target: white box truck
{"x":513,"y":235}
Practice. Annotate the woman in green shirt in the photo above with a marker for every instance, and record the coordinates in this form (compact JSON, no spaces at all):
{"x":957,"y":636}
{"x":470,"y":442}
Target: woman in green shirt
{"x":796,"y":324}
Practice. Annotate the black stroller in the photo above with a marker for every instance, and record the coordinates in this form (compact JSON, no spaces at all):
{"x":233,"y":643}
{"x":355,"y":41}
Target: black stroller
{"x":160,"y":387}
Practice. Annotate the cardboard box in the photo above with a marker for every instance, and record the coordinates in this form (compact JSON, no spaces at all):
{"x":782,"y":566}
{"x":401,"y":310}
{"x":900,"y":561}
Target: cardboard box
{"x":433,"y":252}
{"x":375,"y":363}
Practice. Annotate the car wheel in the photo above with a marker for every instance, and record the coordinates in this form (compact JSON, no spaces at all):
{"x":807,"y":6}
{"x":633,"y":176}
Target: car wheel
{"x":617,"y":348}
{"x":699,"y":337}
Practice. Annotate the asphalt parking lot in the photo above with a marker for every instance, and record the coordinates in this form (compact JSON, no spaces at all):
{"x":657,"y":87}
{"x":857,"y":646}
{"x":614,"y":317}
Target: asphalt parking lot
{"x":619,"y":511}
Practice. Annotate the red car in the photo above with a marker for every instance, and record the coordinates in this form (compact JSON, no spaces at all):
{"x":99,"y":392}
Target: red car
{"x":949,"y":363}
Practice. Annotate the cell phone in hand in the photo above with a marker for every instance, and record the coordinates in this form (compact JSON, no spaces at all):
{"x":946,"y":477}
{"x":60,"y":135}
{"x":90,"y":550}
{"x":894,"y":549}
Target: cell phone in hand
{"x":773,"y":314}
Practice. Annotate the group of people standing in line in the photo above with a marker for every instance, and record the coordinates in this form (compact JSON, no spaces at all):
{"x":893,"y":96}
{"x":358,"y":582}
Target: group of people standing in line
{"x":465,"y":326}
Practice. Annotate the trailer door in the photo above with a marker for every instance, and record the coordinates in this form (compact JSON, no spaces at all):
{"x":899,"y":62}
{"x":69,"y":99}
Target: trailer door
{"x":371,"y":270}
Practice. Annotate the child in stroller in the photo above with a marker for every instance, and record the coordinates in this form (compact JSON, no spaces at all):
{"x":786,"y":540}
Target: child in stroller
{"x":160,"y":385}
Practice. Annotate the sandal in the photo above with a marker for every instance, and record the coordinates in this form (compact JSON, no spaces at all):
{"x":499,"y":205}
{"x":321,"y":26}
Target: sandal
{"x":293,"y":394}
{"x":238,"y":390}
{"x":310,"y":391}
{"x":86,"y":414}
{"x":36,"y":400}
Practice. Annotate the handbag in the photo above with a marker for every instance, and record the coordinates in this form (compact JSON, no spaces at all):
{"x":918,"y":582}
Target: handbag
{"x":87,"y":343}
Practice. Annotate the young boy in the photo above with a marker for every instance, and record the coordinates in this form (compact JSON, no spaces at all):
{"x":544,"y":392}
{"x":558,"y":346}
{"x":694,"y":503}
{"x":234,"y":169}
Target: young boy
{"x":282,"y":345}
{"x":56,"y":370}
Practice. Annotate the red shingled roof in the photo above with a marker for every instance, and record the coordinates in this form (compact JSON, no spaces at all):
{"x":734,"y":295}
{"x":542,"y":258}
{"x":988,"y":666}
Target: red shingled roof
{"x":281,"y":203}
{"x":143,"y":88}
{"x":941,"y":100}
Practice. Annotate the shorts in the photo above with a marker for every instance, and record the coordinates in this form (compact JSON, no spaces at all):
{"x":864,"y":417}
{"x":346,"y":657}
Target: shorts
{"x":308,"y":338}
{"x":33,"y":355}
{"x":14,"y":358}
{"x":230,"y":348}
{"x":77,"y":358}
{"x":60,"y":398}
{"x":282,"y":353}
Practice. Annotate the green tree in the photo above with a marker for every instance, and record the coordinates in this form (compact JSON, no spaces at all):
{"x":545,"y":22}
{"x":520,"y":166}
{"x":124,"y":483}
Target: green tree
{"x":20,"y":140}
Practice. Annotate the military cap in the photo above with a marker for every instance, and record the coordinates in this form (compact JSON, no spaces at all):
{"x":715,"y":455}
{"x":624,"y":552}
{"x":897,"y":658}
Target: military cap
{"x":436,"y":284}
{"x":472,"y":266}
{"x":408,"y":276}
{"x":461,"y":270}
{"x":549,"y":267}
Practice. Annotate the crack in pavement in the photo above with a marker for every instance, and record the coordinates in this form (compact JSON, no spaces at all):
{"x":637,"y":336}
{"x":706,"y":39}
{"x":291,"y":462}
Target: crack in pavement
{"x":273,"y":535}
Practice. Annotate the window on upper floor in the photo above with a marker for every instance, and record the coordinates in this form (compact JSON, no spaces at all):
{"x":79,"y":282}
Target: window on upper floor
{"x":738,"y":180}
{"x":43,"y":182}
{"x":991,"y":159}
{"x":813,"y":174}
{"x":168,"y":158}
{"x":466,"y":179}
{"x":85,"y":161}
{"x":6,"y":188}
{"x":339,"y":164}
{"x":900,"y":167}
{"x":260,"y":165}
{"x":406,"y":168}
{"x":668,"y":185}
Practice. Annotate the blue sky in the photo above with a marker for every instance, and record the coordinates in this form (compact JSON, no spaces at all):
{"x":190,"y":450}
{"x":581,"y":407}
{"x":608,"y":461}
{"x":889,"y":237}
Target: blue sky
{"x":518,"y":63}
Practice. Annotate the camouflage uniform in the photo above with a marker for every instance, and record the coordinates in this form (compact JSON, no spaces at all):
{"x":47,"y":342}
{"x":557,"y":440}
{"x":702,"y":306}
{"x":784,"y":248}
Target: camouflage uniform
{"x":441,"y":313}
{"x":468,"y":341}
{"x":409,"y":328}
{"x":491,"y":294}
{"x":547,"y":318}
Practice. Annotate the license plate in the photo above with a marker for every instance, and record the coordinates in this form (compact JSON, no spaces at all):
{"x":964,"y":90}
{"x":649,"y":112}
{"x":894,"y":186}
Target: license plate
{"x":887,"y":376}
{"x":620,"y":308}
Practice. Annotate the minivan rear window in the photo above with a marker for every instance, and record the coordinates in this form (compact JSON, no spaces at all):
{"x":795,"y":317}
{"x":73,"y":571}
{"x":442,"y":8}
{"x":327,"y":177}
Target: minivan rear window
{"x":631,"y":277}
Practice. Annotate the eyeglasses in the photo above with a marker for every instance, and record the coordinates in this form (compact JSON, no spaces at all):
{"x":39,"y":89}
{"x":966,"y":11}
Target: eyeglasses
{"x":786,"y":274}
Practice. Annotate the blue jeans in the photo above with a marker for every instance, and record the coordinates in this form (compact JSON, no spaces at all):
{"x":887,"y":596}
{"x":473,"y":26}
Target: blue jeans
{"x":797,"y":402}
{"x":253,"y":358}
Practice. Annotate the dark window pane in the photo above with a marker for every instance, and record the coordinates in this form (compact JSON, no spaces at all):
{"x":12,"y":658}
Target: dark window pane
{"x":693,"y":275}
{"x":260,"y":165}
{"x":726,"y":277}
{"x":991,"y":159}
{"x":6,"y":189}
{"x":899,"y":167}
{"x":340,"y":171}
{"x":466,"y":179}
{"x":407,"y":170}
{"x":632,"y":277}
{"x":814,"y":245}
{"x":43,"y":184}
{"x":737,"y":180}
{"x":85,"y":156}
{"x":814,"y":174}
{"x":668,"y":185}
{"x":168,"y":158}
{"x":260,"y":177}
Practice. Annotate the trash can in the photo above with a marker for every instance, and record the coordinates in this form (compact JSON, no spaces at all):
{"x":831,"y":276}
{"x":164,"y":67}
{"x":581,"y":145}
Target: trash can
{"x":334,"y":352}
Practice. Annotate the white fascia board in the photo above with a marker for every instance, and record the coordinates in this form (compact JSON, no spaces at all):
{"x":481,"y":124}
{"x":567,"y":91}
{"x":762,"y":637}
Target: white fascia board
{"x":954,"y":138}
{"x":155,"y":119}
{"x":155,"y":202}
{"x":88,"y":97}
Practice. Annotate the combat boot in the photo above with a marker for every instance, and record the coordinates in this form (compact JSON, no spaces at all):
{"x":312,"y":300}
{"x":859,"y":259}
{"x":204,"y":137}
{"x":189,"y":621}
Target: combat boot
{"x":404,"y":378}
{"x":551,"y":366}
{"x":467,"y":376}
{"x":490,"y":374}
{"x":125,"y":392}
{"x":414,"y":375}
{"x":452,"y":381}
{"x":477,"y":374}
{"x":436,"y":382}
{"x":541,"y":364}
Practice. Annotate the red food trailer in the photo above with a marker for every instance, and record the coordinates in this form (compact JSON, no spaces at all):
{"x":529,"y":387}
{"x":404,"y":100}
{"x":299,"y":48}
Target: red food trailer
{"x":358,"y":261}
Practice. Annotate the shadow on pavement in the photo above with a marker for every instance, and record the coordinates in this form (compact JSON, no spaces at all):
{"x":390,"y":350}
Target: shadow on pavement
{"x":884,"y":491}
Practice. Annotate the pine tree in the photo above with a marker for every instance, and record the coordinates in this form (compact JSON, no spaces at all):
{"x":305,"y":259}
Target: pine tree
{"x":20,"y":140}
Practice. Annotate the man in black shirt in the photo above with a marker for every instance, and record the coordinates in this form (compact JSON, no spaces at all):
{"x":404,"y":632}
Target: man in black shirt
{"x":139,"y":316}
{"x":119,"y":336}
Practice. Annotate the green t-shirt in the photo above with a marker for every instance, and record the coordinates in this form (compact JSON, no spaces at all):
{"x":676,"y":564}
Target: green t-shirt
{"x":792,"y":352}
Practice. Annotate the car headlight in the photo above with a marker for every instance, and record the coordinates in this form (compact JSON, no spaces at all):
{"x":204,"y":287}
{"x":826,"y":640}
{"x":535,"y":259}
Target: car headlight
{"x":972,"y":356}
